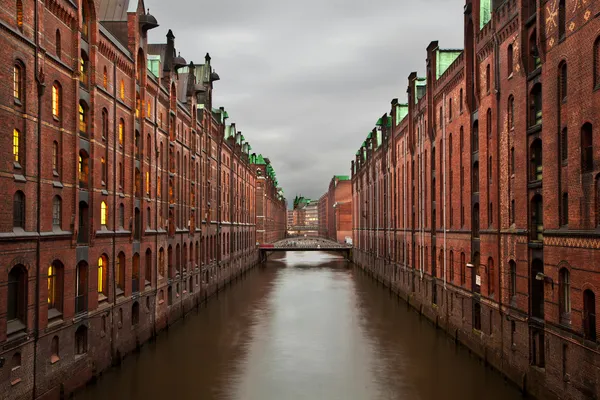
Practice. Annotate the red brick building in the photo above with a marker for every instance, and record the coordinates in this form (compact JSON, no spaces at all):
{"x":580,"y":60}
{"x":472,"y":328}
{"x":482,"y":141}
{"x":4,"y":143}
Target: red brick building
{"x":335,"y":210}
{"x":323,"y":208}
{"x":128,"y":198}
{"x":271,"y":212}
{"x":478,"y":200}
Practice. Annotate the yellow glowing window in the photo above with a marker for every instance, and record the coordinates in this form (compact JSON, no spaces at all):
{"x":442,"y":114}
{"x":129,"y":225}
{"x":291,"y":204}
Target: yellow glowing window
{"x":82,"y":120}
{"x":16,"y":139}
{"x":121,"y":132}
{"x":103,"y":213}
{"x":101,"y":267}
{"x":17,"y":82}
{"x":158,"y":187}
{"x":147,"y":182}
{"x":52,"y":287}
{"x":122,"y":90}
{"x":20,"y":14}
{"x":55,"y":101}
{"x":105,"y":79}
{"x":149,"y":109}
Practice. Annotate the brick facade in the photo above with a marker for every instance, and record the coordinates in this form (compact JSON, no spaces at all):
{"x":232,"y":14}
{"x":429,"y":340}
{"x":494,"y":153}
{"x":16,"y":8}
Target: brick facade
{"x":478,"y":199}
{"x":127,"y":198}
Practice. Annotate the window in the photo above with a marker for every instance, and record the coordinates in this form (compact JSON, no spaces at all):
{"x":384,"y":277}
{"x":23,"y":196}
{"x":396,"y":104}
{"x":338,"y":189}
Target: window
{"x":161,"y":262}
{"x":122,"y":89}
{"x":55,"y":288}
{"x":536,"y":166}
{"x":562,"y":84}
{"x":85,"y":20}
{"x":597,"y":62}
{"x":81,"y":340}
{"x":18,"y":83}
{"x":103,"y":276}
{"x":564,"y":220}
{"x":120,"y":272}
{"x":55,"y":155}
{"x":476,"y":177}
{"x":475,"y":138}
{"x":475,"y":217}
{"x":147,"y":183}
{"x":589,"y":315}
{"x":103,"y":214}
{"x":19,"y":210}
{"x":488,"y":79}
{"x":534,"y":54}
{"x":148,"y":147}
{"x":564,"y":145}
{"x":463,"y":271}
{"x":512,"y":284}
{"x":537,"y":218}
{"x":20,"y":15}
{"x":121,"y":131}
{"x":135,"y":273}
{"x":461,"y":101}
{"x":137,"y":145}
{"x":105,"y":78}
{"x":83,"y":223}
{"x":56,"y":100}
{"x":121,"y":216}
{"x":509,"y":59}
{"x":491,"y":277}
{"x":83,"y":118}
{"x":562,"y":19}
{"x":84,"y":70}
{"x":587,"y":151}
{"x":58,"y":44}
{"x":83,"y":169}
{"x":148,"y":272}
{"x":564,"y":287}
{"x":138,"y":183}
{"x":17,"y":145}
{"x":450,"y":109}
{"x":121,"y":176}
{"x":103,"y":169}
{"x":535,"y":105}
{"x":17,"y":298}
{"x":56,"y":212}
{"x":81,"y":288}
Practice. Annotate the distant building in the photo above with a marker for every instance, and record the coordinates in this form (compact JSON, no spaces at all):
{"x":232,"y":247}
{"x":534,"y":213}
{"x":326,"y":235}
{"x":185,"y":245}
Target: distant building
{"x":323,"y":206}
{"x":335,"y":209}
{"x":305,"y":217}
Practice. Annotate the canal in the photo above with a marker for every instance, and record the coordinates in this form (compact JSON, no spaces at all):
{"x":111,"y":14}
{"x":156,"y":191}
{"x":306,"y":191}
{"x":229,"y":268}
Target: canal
{"x":306,"y":326}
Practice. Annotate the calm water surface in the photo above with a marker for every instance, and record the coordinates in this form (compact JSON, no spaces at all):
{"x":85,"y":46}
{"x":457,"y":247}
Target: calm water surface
{"x":307,"y":326}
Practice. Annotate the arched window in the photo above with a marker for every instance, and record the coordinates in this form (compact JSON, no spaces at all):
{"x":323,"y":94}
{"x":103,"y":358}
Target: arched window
{"x":537,"y":218}
{"x":535,"y":105}
{"x":161,"y":262}
{"x":20,"y":15}
{"x":589,"y":315}
{"x":81,"y":287}
{"x":121,"y":131}
{"x":587,"y":150}
{"x":19,"y":210}
{"x":84,"y":75}
{"x":55,"y":289}
{"x":562,"y":19}
{"x":534,"y":54}
{"x":83,"y":118}
{"x":135,"y":273}
{"x":148,"y":272}
{"x":536,"y":165}
{"x":121,"y":216}
{"x":16,"y":310}
{"x":475,"y":138}
{"x":84,"y":169}
{"x":103,"y":277}
{"x":562,"y":83}
{"x":597,"y":62}
{"x":135,"y":313}
{"x":85,"y":20}
{"x":81,"y":340}
{"x":18,"y":83}
{"x":122,"y":89}
{"x":564,"y":287}
{"x":450,"y":109}
{"x":120,"y":273}
{"x":488,"y":79}
{"x":491,"y":277}
{"x":58,"y":44}
{"x":56,"y":100}
{"x":511,"y":112}
{"x":103,"y":214}
{"x":509,"y":60}
{"x":57,"y":212}
{"x":17,"y":146}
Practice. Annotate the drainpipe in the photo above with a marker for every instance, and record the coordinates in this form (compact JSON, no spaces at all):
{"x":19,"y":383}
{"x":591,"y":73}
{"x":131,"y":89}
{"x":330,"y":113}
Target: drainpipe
{"x":40,"y":93}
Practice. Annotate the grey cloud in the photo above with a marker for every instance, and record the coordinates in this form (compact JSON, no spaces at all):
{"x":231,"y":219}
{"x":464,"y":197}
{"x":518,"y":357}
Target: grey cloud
{"x":306,"y":81}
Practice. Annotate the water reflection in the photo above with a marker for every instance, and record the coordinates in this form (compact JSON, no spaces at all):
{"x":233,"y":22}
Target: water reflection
{"x":307,"y":326}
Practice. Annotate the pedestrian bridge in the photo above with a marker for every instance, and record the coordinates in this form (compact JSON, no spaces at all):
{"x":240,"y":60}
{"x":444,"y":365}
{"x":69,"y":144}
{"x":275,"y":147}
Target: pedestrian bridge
{"x":304,"y":244}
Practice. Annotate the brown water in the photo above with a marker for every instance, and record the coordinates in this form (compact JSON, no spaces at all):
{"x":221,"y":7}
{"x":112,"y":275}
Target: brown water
{"x":309,"y":326}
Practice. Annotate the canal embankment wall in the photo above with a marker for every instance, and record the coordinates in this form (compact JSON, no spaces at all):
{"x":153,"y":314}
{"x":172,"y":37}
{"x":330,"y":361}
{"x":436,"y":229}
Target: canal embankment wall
{"x":502,"y":342}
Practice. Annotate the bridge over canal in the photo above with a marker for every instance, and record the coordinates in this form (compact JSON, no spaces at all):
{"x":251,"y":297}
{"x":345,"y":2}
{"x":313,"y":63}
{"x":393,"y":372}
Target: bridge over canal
{"x":305,"y":244}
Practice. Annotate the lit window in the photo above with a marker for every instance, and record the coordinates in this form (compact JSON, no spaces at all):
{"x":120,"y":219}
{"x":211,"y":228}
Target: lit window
{"x":56,"y":101}
{"x":20,"y":14}
{"x":122,"y":90}
{"x":102,"y":275}
{"x":18,"y":82}
{"x":82,"y":119}
{"x":105,"y":79}
{"x":147,"y":182}
{"x":52,"y":287}
{"x":16,"y":145}
{"x":103,"y":214}
{"x":121,"y":131}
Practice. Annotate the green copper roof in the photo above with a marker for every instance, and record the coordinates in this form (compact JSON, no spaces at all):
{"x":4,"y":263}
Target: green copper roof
{"x":401,"y":112}
{"x":380,"y":122}
{"x":370,"y":135}
{"x":420,"y":85}
{"x":342,"y":177}
{"x":485,"y":12}
{"x":258,"y":160}
{"x":445,"y":58}
{"x":379,"y":138}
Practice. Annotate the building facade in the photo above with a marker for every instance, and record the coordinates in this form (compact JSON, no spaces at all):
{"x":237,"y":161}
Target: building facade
{"x":339,"y":210}
{"x":478,"y":200}
{"x":142,"y":204}
{"x":323,"y":208}
{"x":271,"y":216}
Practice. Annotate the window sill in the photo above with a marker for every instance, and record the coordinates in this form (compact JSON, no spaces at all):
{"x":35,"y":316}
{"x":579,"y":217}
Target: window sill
{"x":54,"y":315}
{"x":15,"y":328}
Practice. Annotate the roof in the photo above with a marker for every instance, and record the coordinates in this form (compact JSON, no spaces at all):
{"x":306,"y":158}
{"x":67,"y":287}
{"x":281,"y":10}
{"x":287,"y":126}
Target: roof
{"x":342,"y":177}
{"x":116,"y":10}
{"x":401,"y":112}
{"x":444,"y":59}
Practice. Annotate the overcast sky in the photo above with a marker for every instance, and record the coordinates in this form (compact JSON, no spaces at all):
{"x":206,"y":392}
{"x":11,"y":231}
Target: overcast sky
{"x":305,"y":81}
